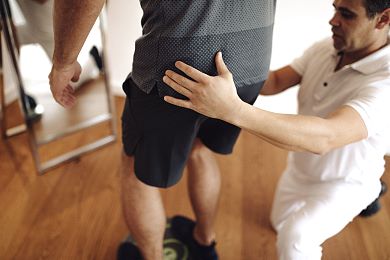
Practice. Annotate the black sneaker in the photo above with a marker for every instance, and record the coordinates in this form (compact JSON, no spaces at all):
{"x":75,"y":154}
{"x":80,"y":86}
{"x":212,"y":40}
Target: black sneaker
{"x":128,"y":251}
{"x":94,"y":52}
{"x":375,"y":206}
{"x":182,"y":228}
{"x":34,"y":110}
{"x":371,"y":209}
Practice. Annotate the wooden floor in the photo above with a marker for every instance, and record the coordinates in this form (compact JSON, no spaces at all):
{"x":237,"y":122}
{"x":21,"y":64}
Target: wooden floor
{"x":73,"y":211}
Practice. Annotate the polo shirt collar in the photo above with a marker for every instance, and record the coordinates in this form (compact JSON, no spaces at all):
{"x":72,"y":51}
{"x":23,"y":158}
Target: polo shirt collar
{"x":373,"y":62}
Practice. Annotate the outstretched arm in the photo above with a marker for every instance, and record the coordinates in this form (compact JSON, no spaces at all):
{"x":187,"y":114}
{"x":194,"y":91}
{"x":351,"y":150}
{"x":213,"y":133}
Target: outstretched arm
{"x":73,"y":20}
{"x":217,"y":97}
{"x":280,"y":80}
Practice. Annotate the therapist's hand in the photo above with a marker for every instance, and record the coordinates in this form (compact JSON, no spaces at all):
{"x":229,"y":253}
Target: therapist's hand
{"x":214,"y":97}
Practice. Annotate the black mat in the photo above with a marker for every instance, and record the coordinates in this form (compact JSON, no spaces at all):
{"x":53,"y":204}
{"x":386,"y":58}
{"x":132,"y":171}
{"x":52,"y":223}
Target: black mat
{"x":173,"y":248}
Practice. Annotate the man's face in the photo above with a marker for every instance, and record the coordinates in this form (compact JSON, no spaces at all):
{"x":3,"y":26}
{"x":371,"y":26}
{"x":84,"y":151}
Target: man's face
{"x":352,"y":30}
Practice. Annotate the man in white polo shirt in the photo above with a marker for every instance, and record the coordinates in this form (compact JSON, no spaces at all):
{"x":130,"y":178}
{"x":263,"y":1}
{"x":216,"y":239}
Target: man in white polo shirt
{"x":338,"y":140}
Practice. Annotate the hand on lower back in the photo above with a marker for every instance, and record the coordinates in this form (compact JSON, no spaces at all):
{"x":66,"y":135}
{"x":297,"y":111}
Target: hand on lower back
{"x":212,"y":96}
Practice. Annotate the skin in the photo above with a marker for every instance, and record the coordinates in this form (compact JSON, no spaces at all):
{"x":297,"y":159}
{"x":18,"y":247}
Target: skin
{"x":40,"y":1}
{"x":213,"y":96}
{"x":354,"y":34}
{"x":142,"y":204}
{"x":65,"y":69}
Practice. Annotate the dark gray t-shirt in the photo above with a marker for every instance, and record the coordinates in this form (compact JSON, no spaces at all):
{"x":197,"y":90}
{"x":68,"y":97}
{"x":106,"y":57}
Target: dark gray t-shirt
{"x":193,"y":32}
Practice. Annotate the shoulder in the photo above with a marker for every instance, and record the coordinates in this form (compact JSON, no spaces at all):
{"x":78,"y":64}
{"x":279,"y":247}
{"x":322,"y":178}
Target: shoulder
{"x":316,"y":55}
{"x":324,"y":46}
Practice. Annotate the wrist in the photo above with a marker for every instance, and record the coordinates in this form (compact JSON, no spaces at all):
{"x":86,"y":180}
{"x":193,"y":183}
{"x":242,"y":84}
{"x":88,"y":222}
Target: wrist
{"x":60,"y":62}
{"x":62,"y":66}
{"x":236,"y":110}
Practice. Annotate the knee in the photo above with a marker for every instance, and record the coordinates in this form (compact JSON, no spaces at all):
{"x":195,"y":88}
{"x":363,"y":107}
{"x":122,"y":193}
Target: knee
{"x":199,"y":152}
{"x":288,"y":236}
{"x":295,"y":241}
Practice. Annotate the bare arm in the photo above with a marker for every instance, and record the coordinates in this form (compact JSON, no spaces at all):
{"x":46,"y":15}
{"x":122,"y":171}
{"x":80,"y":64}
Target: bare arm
{"x":217,"y":97}
{"x":73,"y":20}
{"x":302,"y":133}
{"x":280,"y":80}
{"x":40,"y":1}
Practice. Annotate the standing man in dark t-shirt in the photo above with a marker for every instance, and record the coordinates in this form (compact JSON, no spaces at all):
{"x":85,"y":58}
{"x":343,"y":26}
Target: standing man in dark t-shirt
{"x":160,"y":139}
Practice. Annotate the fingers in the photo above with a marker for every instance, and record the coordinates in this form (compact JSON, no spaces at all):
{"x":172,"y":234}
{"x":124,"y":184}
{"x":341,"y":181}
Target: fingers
{"x":220,"y":64}
{"x":177,"y":87}
{"x":193,"y":73}
{"x":178,"y":102}
{"x":199,"y":76}
{"x":66,"y":97}
{"x":59,"y":80}
{"x":181,"y":80}
{"x":68,"y":102}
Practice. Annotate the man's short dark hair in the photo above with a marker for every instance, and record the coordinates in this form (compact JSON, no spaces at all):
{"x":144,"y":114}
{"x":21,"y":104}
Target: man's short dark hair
{"x":374,"y":7}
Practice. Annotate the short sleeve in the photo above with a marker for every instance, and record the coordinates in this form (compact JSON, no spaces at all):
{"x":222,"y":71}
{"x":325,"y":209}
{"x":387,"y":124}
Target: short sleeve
{"x":373,"y":105}
{"x":301,"y":63}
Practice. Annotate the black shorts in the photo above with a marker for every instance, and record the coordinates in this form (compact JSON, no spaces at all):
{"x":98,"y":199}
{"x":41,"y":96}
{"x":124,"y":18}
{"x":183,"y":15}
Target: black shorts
{"x":160,"y":135}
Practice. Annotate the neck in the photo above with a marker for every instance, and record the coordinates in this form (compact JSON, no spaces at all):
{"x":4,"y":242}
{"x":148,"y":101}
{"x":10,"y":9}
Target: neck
{"x":347,"y":58}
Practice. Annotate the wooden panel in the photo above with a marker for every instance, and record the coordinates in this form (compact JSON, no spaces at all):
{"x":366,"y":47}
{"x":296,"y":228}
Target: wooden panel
{"x":73,"y":212}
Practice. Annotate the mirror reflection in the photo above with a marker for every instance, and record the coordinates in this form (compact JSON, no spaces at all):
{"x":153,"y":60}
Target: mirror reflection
{"x":32,"y":28}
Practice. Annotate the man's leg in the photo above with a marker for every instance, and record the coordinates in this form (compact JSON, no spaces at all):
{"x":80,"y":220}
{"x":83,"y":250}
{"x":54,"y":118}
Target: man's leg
{"x":312,"y":219}
{"x":144,"y":212}
{"x":204,"y":184}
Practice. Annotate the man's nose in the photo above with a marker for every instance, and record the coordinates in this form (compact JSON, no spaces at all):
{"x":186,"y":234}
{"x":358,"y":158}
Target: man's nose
{"x":334,"y":21}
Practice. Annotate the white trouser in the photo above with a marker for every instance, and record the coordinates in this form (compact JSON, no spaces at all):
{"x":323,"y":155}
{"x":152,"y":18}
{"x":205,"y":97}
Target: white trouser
{"x":306,"y":214}
{"x":39,"y":24}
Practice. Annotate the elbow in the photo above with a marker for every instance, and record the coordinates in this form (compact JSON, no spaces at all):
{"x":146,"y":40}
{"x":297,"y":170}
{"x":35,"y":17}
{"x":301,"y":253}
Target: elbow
{"x":325,"y":142}
{"x":321,"y":147}
{"x":317,"y":151}
{"x":321,"y":151}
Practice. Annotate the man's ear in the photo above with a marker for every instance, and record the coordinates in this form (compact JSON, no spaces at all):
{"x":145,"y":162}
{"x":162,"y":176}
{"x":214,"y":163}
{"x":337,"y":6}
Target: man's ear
{"x":383,"y":19}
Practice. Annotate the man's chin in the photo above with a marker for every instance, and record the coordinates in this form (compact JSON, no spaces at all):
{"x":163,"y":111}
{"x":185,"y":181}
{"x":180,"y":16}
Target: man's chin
{"x":337,"y":43}
{"x":338,"y":47}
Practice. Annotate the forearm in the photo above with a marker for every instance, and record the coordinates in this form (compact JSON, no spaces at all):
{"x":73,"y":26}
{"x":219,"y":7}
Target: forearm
{"x":73,"y":19}
{"x":216,"y":97}
{"x":290,"y":132}
{"x":280,"y":80}
{"x":40,"y":1}
{"x":269,"y":85}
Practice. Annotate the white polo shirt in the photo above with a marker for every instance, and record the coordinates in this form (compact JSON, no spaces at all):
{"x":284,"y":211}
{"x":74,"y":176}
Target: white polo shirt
{"x":363,"y":85}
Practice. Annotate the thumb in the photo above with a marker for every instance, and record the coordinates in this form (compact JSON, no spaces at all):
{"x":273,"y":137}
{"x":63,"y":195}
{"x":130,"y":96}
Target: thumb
{"x":220,"y":64}
{"x":75,"y":78}
{"x":77,"y":73}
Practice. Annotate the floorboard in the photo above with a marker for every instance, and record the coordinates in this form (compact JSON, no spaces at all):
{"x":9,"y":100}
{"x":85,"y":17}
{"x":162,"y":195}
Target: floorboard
{"x":73,"y":211}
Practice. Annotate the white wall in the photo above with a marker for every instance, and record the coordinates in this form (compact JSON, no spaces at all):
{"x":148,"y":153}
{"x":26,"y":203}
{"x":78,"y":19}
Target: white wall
{"x":298,"y":24}
{"x":124,"y":27}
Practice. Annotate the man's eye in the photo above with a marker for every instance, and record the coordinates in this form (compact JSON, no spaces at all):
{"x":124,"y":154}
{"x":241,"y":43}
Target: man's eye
{"x":347,"y":15}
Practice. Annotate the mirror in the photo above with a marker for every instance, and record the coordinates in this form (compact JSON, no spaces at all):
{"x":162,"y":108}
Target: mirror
{"x":56,"y":134}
